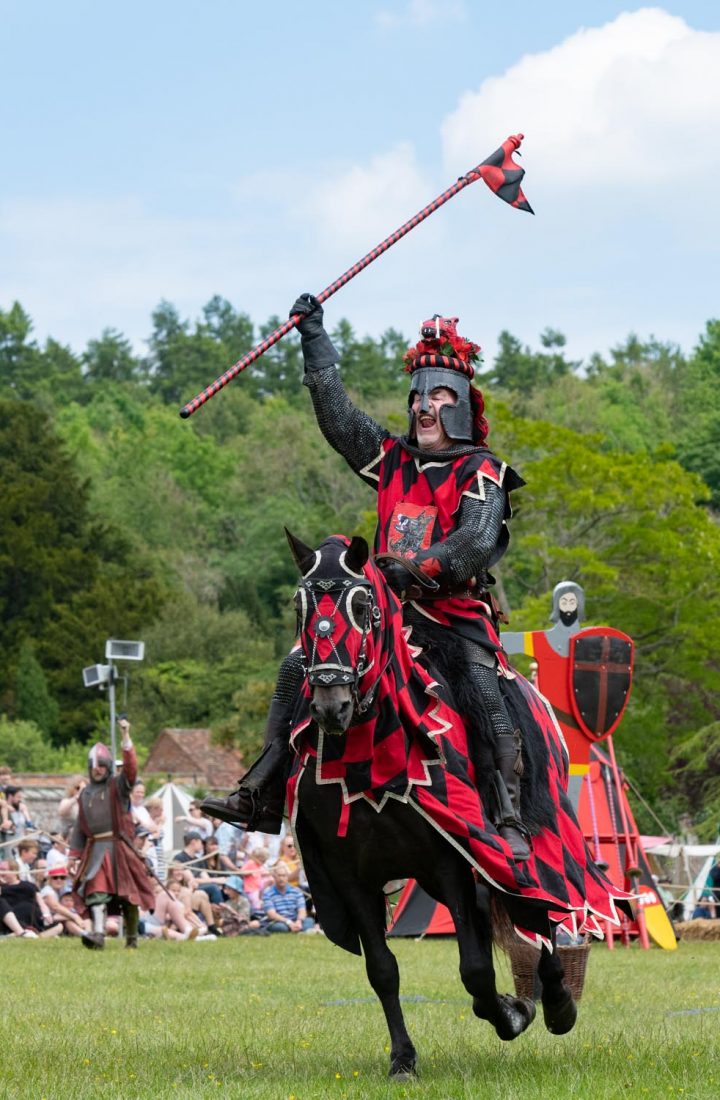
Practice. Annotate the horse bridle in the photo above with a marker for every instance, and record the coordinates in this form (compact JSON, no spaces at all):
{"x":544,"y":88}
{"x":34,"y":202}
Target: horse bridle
{"x":330,"y":674}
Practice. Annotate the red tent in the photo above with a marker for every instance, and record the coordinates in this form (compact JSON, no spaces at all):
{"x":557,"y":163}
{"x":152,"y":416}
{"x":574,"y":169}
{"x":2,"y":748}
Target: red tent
{"x":416,"y":914}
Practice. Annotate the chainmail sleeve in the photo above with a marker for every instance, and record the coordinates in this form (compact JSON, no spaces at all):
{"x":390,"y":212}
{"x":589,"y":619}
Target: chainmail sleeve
{"x":477,"y":542}
{"x":348,"y":430}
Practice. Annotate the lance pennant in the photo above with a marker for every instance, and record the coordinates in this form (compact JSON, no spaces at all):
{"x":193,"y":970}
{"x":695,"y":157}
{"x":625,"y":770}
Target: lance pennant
{"x":499,"y":171}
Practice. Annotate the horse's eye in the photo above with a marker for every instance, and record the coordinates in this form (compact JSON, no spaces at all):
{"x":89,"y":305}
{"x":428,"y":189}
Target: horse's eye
{"x":359,"y":603}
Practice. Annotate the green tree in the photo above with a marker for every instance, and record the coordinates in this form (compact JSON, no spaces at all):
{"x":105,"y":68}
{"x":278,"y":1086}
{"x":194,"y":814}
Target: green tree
{"x":521,"y":370}
{"x":111,"y":359}
{"x":33,"y":701}
{"x":629,"y":530}
{"x":699,"y":409}
{"x":66,"y":580}
{"x":24,"y":749}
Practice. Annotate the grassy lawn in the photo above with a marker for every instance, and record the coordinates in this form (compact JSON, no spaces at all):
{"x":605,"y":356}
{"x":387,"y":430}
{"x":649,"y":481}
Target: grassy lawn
{"x":293,"y":1019}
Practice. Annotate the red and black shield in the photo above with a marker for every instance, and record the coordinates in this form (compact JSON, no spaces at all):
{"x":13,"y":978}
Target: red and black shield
{"x":601,"y":663}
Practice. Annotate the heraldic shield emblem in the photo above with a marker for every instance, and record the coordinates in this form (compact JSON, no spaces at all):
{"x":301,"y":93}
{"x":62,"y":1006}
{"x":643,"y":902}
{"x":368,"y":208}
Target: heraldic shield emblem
{"x":601,"y":664}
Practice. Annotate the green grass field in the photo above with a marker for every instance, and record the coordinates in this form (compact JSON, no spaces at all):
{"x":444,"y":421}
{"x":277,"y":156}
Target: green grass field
{"x":293,"y":1019}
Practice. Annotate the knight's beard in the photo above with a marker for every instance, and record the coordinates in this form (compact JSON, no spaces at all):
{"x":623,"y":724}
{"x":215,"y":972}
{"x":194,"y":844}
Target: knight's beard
{"x":567,"y":618}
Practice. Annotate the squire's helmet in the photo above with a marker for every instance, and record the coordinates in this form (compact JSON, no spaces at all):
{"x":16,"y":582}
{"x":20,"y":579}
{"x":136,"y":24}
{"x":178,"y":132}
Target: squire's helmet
{"x":100,"y":756}
{"x":442,"y":358}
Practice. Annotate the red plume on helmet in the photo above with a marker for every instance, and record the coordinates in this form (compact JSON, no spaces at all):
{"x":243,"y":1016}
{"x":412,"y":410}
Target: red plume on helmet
{"x":480,"y":424}
{"x":441,"y":346}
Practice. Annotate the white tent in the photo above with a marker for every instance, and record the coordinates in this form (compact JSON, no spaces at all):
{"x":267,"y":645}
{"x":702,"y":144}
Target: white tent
{"x":695,"y":861}
{"x":176,"y":800}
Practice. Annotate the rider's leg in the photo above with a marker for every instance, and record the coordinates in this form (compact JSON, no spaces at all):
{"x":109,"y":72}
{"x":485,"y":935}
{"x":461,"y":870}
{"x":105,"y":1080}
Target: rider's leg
{"x":259,"y":801}
{"x":508,"y":759}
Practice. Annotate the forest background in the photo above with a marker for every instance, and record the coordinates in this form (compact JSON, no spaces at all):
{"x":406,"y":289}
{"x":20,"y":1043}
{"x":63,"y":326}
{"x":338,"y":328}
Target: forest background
{"x":117,"y":519}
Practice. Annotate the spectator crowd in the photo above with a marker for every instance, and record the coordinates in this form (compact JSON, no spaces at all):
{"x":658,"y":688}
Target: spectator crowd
{"x":222,"y":882}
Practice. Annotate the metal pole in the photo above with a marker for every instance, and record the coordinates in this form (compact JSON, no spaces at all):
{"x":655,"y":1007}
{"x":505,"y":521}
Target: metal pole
{"x":111,"y":697}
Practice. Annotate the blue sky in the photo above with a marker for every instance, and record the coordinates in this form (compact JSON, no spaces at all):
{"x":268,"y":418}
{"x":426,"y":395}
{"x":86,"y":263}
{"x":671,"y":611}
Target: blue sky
{"x":182,"y":150}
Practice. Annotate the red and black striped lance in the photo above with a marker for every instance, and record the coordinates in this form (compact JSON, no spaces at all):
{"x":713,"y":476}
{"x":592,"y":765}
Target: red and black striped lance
{"x":502,"y":175}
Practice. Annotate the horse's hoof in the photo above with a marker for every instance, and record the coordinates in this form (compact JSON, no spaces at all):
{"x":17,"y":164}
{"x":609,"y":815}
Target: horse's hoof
{"x":403,"y":1069}
{"x":515,"y":1014}
{"x":561,"y":1016}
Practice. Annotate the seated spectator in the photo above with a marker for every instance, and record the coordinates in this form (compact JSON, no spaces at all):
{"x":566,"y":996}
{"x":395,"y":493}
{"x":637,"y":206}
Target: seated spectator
{"x":40,"y":871}
{"x":196,"y":819}
{"x":235,"y":912}
{"x":210,"y":862}
{"x":705,"y":908}
{"x":196,"y":904}
{"x":167,"y":919}
{"x":138,"y":808}
{"x":146,"y":849}
{"x":193,"y":853}
{"x":290,"y":858}
{"x":265,"y":840}
{"x":155,"y":808}
{"x":27,"y":854}
{"x":255,"y":876}
{"x":22,"y":900}
{"x":285,"y":904}
{"x":194,"y":897}
{"x":68,"y":807}
{"x":73,"y":924}
{"x":229,"y":839}
{"x":17,"y":819}
{"x":57,"y":854}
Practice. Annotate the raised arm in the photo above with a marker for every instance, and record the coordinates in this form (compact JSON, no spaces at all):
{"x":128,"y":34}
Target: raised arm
{"x":348,"y":430}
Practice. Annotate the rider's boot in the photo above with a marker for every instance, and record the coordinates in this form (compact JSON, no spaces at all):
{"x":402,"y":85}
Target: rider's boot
{"x":259,"y":801}
{"x":508,"y":760}
{"x":96,"y":939}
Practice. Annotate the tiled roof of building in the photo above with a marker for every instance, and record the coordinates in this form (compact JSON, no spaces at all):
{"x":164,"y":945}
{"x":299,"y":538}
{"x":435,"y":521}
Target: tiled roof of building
{"x":190,"y":753}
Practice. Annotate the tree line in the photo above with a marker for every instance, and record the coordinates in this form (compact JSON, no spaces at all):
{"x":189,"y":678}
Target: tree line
{"x":118,"y":519}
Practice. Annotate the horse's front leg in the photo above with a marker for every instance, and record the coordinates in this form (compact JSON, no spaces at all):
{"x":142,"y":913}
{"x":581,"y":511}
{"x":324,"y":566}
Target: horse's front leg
{"x":559,"y":1009}
{"x":509,"y":1015}
{"x":383,"y":974}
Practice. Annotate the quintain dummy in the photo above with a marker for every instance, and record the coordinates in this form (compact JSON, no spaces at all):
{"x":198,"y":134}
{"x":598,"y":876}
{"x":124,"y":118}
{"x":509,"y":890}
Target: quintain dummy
{"x":111,"y":876}
{"x":443,"y":503}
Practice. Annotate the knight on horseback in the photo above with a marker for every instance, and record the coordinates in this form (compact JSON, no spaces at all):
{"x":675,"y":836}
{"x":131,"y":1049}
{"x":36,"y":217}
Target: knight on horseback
{"x":443,"y":506}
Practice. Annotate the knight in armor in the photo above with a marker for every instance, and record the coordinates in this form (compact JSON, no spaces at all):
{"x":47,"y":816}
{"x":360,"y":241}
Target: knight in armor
{"x":111,"y":877}
{"x":443,"y":506}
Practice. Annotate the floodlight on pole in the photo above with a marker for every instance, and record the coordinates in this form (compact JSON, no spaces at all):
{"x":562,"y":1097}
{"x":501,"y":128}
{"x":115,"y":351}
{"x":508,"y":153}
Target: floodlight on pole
{"x":96,"y":675}
{"x":100,"y":675}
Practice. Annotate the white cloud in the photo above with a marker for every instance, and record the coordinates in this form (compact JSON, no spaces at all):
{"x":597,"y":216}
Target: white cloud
{"x":633,"y":102}
{"x":423,"y":13}
{"x":361,"y":206}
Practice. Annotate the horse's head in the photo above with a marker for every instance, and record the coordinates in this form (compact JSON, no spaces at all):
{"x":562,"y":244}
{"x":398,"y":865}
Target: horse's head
{"x":337,"y":619}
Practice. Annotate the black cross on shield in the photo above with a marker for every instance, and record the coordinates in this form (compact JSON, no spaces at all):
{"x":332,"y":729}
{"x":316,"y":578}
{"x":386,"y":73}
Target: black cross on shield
{"x":601,"y":663}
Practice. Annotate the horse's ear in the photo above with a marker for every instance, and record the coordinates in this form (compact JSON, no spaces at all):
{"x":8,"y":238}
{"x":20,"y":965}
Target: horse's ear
{"x":357,"y":554}
{"x":303,"y":555}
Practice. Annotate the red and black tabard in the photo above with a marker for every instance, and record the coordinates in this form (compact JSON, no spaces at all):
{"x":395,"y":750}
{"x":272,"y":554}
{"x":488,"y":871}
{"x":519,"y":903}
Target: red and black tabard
{"x":418,"y":506}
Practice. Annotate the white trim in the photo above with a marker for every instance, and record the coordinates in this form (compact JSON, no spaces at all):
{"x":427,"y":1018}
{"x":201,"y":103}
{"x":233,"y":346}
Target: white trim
{"x":479,"y":476}
{"x":314,"y":566}
{"x":348,"y":570}
{"x":366,"y":470}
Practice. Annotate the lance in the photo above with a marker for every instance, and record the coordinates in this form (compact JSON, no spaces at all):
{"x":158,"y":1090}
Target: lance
{"x":502,"y":175}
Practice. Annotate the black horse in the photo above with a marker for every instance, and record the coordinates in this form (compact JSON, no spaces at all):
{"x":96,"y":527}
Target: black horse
{"x":379,"y":769}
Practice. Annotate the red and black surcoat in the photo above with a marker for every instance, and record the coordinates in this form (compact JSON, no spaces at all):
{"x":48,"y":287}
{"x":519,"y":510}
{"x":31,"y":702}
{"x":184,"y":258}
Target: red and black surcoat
{"x":419,"y":504}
